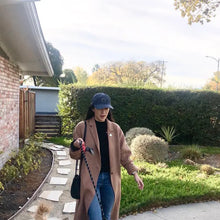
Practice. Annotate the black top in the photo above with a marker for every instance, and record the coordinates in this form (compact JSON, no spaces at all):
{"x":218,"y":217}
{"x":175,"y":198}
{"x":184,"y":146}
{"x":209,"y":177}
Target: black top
{"x":104,"y":148}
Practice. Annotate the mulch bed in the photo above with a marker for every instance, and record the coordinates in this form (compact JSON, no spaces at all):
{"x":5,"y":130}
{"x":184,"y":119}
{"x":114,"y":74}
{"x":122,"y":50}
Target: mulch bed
{"x":213,"y":160}
{"x":17,"y":193}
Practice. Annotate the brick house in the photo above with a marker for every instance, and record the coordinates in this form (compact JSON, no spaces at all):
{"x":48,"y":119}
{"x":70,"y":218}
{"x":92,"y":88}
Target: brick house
{"x":22,"y":52}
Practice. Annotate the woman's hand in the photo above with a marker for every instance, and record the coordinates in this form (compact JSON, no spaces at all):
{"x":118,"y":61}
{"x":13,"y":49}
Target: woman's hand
{"x":139,"y":181}
{"x":77,"y":142}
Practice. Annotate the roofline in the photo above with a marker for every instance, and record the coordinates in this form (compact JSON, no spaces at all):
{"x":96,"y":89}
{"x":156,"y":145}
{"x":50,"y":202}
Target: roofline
{"x":40,"y":88}
{"x":37,"y":38}
{"x":8,"y":2}
{"x":38,"y":34}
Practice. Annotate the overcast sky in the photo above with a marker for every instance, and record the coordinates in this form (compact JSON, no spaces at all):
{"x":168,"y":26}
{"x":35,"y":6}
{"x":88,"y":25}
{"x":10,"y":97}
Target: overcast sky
{"x":89,"y":32}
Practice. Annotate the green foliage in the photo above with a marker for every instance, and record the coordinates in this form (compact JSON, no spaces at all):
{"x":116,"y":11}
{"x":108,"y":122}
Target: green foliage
{"x":61,"y":141}
{"x":195,"y":115}
{"x":192,"y":152}
{"x":69,"y":77}
{"x":38,"y":137}
{"x":56,"y":60}
{"x":204,"y":150}
{"x":1,"y":186}
{"x":149,"y":148}
{"x":210,"y":150}
{"x":10,"y":172}
{"x":27,"y":159}
{"x":68,"y":98}
{"x":168,"y":133}
{"x":165,"y":186}
{"x":133,"y":132}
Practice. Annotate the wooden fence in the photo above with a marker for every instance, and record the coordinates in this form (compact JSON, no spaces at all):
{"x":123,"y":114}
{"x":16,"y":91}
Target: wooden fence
{"x":27,"y":113}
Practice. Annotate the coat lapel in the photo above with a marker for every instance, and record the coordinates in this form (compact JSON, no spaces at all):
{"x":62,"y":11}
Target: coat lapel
{"x":94,"y":134}
{"x":111,"y":143}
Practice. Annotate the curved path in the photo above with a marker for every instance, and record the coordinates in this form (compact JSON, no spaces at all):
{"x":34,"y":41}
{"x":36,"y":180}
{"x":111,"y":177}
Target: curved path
{"x":56,"y":189}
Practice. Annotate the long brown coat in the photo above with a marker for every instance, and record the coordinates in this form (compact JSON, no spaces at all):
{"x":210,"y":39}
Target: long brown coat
{"x":119,"y":154}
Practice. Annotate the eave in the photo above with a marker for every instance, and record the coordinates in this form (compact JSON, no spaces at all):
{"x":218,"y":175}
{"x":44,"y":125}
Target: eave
{"x":21,"y":37}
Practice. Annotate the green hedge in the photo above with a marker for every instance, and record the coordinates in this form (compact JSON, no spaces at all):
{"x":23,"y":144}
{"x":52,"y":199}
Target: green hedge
{"x":195,"y":115}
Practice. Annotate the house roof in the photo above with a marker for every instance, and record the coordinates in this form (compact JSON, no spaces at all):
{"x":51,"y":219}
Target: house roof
{"x":40,"y":88}
{"x":21,"y":37}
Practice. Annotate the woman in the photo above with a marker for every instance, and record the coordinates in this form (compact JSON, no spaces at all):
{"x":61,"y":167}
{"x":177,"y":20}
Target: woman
{"x":107,"y":140}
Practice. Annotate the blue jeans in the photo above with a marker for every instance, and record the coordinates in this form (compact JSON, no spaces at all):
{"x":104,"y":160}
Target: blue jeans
{"x":106,"y":194}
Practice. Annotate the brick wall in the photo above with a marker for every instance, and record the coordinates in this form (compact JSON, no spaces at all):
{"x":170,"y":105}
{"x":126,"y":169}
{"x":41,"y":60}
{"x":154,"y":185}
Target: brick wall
{"x":9,"y":109}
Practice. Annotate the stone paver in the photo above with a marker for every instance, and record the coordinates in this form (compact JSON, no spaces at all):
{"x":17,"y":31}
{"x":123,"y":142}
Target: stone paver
{"x":69,"y":207}
{"x":62,"y":158}
{"x":54,"y":148}
{"x":63,"y":171}
{"x":61,"y":153}
{"x":64,"y":162}
{"x":32,"y":208}
{"x":58,"y":181}
{"x":51,"y":195}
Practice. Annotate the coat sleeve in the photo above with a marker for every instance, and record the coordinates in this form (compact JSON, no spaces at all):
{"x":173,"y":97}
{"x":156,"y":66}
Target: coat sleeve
{"x":77,"y":133}
{"x":125,"y":151}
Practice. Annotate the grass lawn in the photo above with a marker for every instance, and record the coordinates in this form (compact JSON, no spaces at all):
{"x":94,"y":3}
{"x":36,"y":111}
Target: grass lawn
{"x":173,"y":184}
{"x":168,"y":184}
{"x":65,"y":141}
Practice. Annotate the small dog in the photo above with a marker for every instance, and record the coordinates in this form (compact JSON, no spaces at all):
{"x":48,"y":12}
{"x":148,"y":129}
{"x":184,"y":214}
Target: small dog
{"x":42,"y":211}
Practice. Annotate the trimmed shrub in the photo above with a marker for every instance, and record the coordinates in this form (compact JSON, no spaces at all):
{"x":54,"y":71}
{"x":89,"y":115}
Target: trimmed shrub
{"x":194,"y":114}
{"x":192,"y":153}
{"x":149,"y":148}
{"x":133,"y":132}
{"x":207,"y":169}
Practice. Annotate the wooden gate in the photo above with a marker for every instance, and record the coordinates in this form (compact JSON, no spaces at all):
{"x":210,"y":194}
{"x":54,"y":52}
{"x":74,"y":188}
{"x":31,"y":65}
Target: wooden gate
{"x":27,"y":113}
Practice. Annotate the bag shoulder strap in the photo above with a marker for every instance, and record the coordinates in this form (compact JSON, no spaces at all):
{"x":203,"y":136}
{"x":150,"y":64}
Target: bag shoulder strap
{"x":85,"y":130}
{"x":84,"y":138}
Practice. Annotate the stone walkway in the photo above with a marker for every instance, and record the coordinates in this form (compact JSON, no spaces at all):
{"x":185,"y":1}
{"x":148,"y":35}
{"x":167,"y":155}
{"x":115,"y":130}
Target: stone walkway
{"x":56,"y":189}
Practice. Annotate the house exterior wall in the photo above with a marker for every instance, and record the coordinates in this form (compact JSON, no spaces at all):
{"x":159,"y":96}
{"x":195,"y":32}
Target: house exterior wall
{"x":9,"y":109}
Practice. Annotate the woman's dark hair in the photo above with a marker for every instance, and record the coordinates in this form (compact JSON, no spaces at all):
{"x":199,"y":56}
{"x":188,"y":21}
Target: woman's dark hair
{"x":90,"y":114}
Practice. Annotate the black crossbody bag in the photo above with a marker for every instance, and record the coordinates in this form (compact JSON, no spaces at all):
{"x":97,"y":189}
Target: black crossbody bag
{"x":75,"y":187}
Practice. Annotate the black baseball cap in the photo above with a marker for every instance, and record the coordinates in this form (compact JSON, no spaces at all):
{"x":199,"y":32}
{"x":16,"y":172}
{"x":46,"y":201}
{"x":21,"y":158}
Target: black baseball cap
{"x":101,"y":100}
